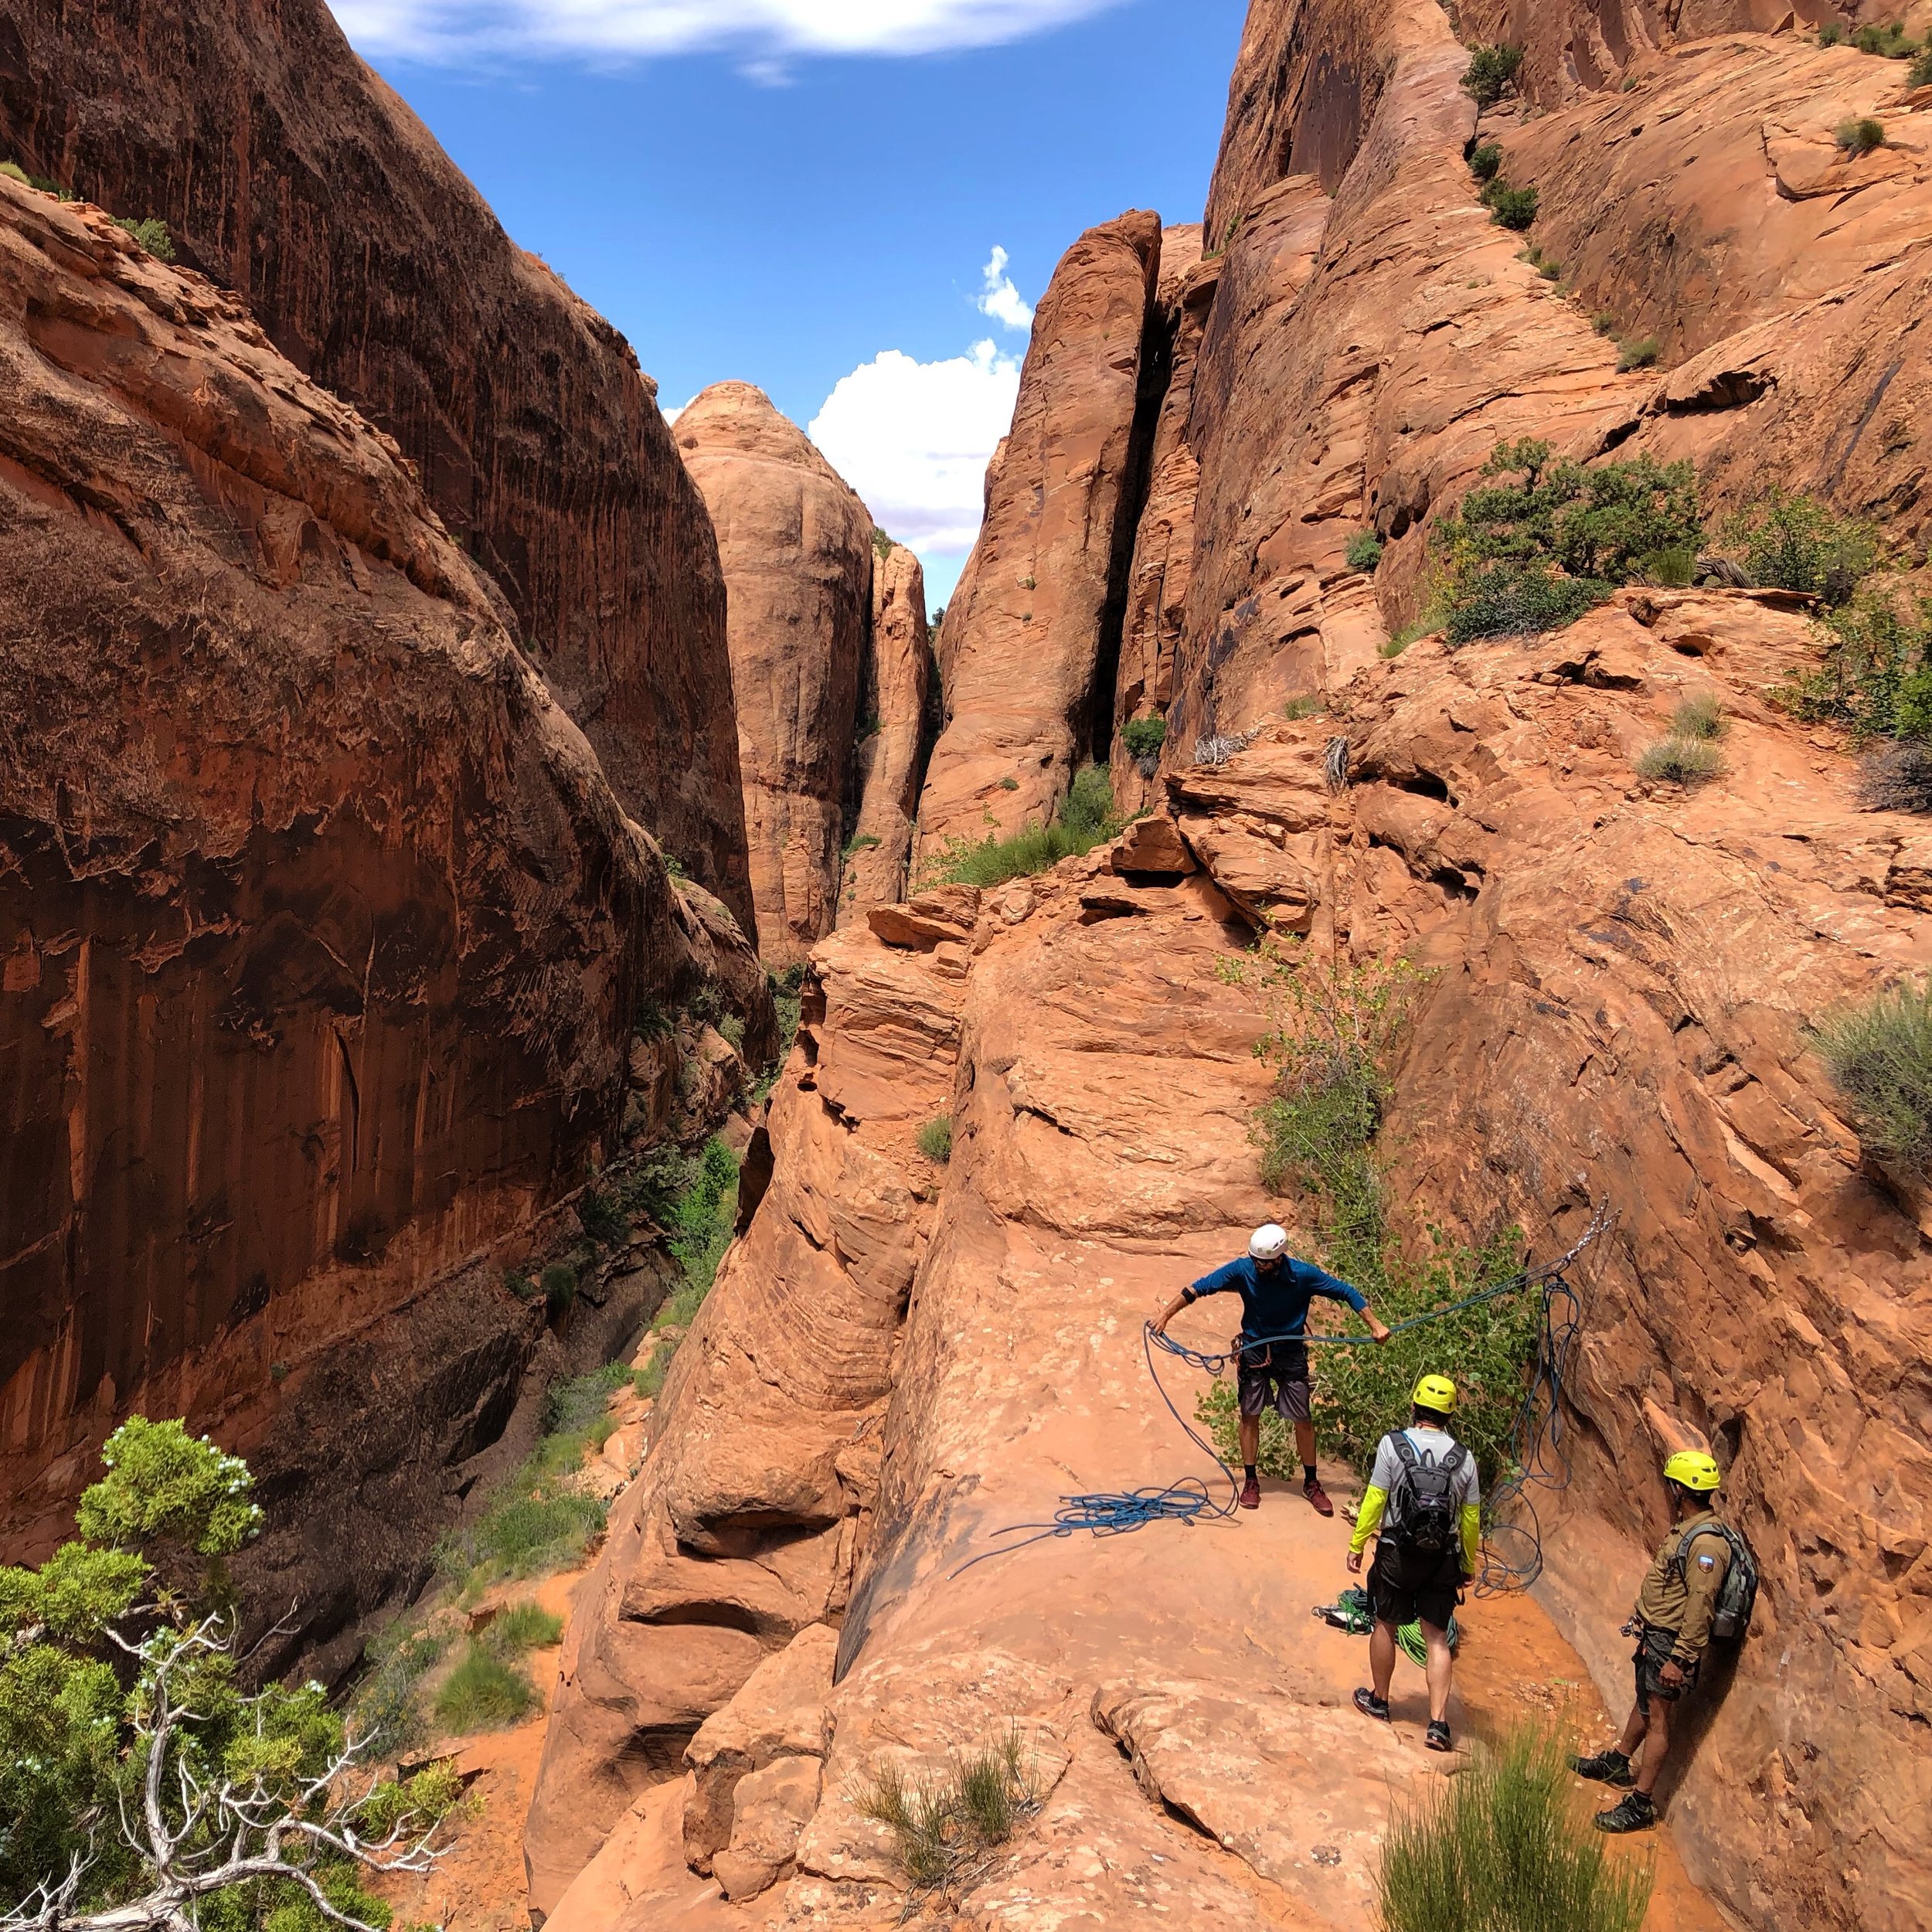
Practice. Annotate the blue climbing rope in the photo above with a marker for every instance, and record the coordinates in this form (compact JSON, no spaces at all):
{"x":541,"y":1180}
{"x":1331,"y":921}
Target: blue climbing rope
{"x":1537,"y":1457}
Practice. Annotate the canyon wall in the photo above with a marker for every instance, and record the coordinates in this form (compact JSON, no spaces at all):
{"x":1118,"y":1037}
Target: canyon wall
{"x":797,"y":548}
{"x":323,"y":929}
{"x":296,"y":178}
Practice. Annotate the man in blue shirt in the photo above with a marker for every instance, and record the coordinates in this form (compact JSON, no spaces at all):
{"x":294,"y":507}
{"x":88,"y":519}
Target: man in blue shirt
{"x":1275,"y":1290}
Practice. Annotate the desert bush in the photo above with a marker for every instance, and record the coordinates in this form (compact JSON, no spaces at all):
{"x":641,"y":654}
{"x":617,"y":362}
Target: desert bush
{"x":152,"y":235}
{"x":1603,"y":322}
{"x":1862,"y":136}
{"x":942,"y":1829}
{"x":386,"y":1705}
{"x":1502,"y":1848}
{"x":1887,"y":40}
{"x":881,"y":543}
{"x":1510,"y":207}
{"x":1897,"y":777}
{"x":1636,"y":352}
{"x":1702,"y":716}
{"x":483,"y":1693}
{"x":520,"y":1285}
{"x":1365,"y":551}
{"x":935,"y":1140}
{"x":1144,"y":736}
{"x":1921,"y":73}
{"x":1087,"y":818}
{"x":1792,"y":541}
{"x":1683,"y":761}
{"x":1875,"y":680}
{"x":1534,"y":553}
{"x":1304,"y":704}
{"x":1491,"y":71}
{"x":522,"y":1626}
{"x":1831,"y":34}
{"x":1879,"y":1053}
{"x":1484,"y":158}
{"x":559,"y":1286}
{"x":604,"y":1222}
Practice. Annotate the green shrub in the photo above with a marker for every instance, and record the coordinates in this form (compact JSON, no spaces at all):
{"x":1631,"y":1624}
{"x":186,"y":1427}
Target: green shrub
{"x":1534,"y":554}
{"x":1512,"y":207}
{"x":520,"y":1285}
{"x":152,"y":235}
{"x":1921,"y":73}
{"x":731,"y":1030}
{"x":1603,"y":322}
{"x":942,"y":1831}
{"x":604,"y":1223}
{"x":522,"y":1626}
{"x":1876,"y":678}
{"x":1364,"y":552}
{"x":1087,"y":819}
{"x":1702,"y":716}
{"x":1830,"y":35}
{"x":1638,"y":353}
{"x":483,"y":1693}
{"x":881,"y":543}
{"x":1491,"y":72}
{"x":1897,"y":777}
{"x":860,"y":841}
{"x":1672,"y":570}
{"x":1144,"y":737}
{"x":1791,"y":541}
{"x":14,"y":172}
{"x":1888,"y":41}
{"x":649,"y":1381}
{"x":1304,"y":704}
{"x":385,"y":1704}
{"x":1502,"y":1848}
{"x":1878,"y":1054}
{"x":935,"y":1140}
{"x":1683,"y":761}
{"x":1862,"y":136}
{"x":1484,"y":158}
{"x":560,"y":1287}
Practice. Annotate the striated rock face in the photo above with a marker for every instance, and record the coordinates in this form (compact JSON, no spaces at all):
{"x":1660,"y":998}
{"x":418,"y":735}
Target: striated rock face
{"x":1164,"y":537}
{"x":797,"y":546}
{"x":757,"y":1500}
{"x":292,"y":175}
{"x":1031,"y":633}
{"x":889,"y":758}
{"x":323,"y":930}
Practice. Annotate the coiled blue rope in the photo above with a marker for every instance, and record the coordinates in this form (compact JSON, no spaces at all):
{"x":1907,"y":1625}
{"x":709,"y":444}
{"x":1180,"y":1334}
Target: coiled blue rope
{"x":1539,"y":1426}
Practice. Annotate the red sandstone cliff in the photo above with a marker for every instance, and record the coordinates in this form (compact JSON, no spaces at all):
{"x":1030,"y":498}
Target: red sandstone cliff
{"x":797,"y":547}
{"x":297,"y":179}
{"x":323,"y":929}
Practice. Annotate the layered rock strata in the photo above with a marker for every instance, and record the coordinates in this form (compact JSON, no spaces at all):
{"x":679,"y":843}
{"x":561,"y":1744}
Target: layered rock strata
{"x":797,"y":548}
{"x":1033,"y":629}
{"x":324,"y":930}
{"x":292,"y":175}
{"x":890,"y":757}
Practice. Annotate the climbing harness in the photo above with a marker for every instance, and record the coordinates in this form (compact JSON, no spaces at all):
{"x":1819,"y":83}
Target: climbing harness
{"x":1512,"y":1541}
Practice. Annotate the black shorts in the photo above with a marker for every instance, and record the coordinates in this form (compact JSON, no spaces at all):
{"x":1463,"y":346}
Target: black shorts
{"x":1276,"y":1378}
{"x":1653,"y":1652}
{"x":1411,"y":1586}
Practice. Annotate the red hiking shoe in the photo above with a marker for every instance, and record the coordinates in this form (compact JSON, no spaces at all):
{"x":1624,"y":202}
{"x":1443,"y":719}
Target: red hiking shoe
{"x":1318,"y":1498}
{"x":1250,"y":1494}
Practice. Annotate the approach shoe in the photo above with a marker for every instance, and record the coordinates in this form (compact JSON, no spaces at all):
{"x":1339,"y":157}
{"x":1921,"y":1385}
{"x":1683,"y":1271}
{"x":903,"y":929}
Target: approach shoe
{"x":1607,"y":1768}
{"x":1371,"y":1705}
{"x":1318,"y":1498}
{"x":1634,"y":1812}
{"x":1250,"y":1494}
{"x":1436,"y":1737}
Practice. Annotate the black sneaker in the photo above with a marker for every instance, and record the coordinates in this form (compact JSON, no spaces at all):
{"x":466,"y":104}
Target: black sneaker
{"x":1634,"y":1813}
{"x":1607,"y":1768}
{"x":1436,"y":1737}
{"x":1371,"y":1705}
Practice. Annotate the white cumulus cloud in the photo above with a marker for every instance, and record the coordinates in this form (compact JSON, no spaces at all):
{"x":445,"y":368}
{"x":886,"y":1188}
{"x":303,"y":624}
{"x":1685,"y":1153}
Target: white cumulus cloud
{"x":1002,"y":301}
{"x":764,"y":32}
{"x":913,"y":438}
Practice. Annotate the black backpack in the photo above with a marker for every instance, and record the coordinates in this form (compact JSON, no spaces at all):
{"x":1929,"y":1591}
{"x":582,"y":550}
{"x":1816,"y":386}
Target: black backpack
{"x":1424,"y":1513}
{"x":1737,"y":1594}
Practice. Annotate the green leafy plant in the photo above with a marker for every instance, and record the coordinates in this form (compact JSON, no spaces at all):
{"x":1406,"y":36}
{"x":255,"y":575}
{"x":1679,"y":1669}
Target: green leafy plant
{"x":520,"y":1285}
{"x":701,"y":1218}
{"x":140,"y":1784}
{"x":1921,"y":73}
{"x":1087,"y":819}
{"x":1875,"y":680}
{"x":1144,"y":737}
{"x":881,"y":543}
{"x":483,"y":1693}
{"x":1879,"y":1053}
{"x":1364,"y":553}
{"x":1637,"y":352}
{"x":1484,"y":158}
{"x":1502,"y":1848}
{"x":1510,"y":207}
{"x":731,"y":1030}
{"x":935,"y":1140}
{"x":1862,"y":136}
{"x":559,"y":1286}
{"x":604,"y":1222}
{"x":151,"y":234}
{"x":1792,"y":541}
{"x":1491,"y":71}
{"x":1533,"y":553}
{"x":860,"y":841}
{"x":1887,"y":40}
{"x":1831,"y":34}
{"x":1683,"y":761}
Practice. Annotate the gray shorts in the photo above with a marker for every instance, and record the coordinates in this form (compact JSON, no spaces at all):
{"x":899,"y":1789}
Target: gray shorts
{"x":1276,"y":1378}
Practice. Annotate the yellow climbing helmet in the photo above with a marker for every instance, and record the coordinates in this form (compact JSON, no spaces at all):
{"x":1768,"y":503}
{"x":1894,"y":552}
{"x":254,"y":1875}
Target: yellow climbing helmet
{"x":1435,"y":1392}
{"x":1694,"y":1470}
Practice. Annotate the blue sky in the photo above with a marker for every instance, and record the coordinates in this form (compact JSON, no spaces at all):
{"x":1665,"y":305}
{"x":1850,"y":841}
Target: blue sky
{"x":788,"y":191}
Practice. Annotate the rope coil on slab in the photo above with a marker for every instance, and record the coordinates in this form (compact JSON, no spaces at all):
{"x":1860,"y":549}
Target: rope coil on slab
{"x":1513,"y":1549}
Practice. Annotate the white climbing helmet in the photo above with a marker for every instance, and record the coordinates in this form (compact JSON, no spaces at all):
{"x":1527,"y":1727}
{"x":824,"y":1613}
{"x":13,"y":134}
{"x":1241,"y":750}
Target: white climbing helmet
{"x":1268,"y":1244}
